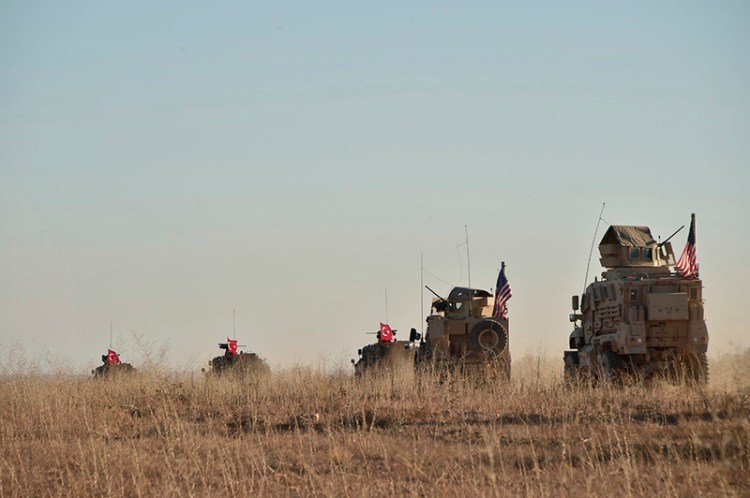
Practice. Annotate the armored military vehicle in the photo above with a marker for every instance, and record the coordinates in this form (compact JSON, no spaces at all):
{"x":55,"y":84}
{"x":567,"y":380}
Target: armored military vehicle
{"x":643,"y":317}
{"x":236,"y":361}
{"x":463,"y":334}
{"x":387,"y":352}
{"x":111,"y":365}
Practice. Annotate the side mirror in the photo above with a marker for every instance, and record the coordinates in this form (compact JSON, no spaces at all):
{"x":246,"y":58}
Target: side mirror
{"x":359,"y":352}
{"x":575,"y":303}
{"x":352,"y":361}
{"x":414,"y":335}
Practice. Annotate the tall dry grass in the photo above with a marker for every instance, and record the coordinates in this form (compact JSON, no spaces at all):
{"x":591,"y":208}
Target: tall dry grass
{"x":303,"y":432}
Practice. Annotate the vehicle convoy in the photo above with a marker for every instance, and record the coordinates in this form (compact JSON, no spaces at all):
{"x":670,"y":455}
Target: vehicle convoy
{"x":645,"y":316}
{"x":112,"y":366}
{"x":236,"y":361}
{"x":464,"y":333}
{"x":387,"y":352}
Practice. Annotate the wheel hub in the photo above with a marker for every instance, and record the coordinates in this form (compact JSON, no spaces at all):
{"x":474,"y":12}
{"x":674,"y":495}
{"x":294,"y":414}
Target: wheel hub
{"x":488,"y":339}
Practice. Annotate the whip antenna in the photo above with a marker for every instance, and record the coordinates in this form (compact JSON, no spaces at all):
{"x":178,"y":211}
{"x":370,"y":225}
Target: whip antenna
{"x":421,"y":292}
{"x":386,"y":304}
{"x":468,"y":257}
{"x":591,"y":251}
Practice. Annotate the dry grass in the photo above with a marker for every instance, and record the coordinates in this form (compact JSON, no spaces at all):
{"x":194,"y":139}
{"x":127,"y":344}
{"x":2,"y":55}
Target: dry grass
{"x":158,"y":434}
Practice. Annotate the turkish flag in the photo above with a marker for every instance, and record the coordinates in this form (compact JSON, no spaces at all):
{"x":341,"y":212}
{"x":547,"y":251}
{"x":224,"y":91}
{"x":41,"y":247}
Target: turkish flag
{"x":112,"y":357}
{"x":231,"y":346}
{"x":386,"y":334}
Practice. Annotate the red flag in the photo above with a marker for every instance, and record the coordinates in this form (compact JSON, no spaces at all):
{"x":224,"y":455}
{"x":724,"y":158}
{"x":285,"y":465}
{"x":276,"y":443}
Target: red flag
{"x":231,"y":346}
{"x":386,"y":334}
{"x":112,"y":357}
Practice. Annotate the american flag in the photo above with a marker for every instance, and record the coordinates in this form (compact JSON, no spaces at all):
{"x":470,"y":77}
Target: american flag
{"x":502,"y":295}
{"x":688,"y":263}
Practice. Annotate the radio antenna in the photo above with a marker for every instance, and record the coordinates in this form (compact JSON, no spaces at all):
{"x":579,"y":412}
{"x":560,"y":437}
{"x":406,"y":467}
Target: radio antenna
{"x":110,"y":334}
{"x":591,"y":251}
{"x":386,"y":304}
{"x":421,"y":293}
{"x":468,"y":257}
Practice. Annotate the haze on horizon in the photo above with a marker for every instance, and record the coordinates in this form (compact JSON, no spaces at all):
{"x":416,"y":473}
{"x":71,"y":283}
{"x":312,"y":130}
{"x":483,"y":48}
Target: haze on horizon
{"x":164,"y":165}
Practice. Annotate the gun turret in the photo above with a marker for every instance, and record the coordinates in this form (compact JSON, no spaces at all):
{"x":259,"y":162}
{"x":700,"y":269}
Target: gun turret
{"x":436,"y":294}
{"x":225,"y":345}
{"x":442,"y":304}
{"x":661,"y":244}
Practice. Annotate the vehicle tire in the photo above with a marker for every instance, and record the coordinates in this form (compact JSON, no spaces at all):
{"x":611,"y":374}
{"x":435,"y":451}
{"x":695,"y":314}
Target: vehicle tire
{"x":100,"y":371}
{"x":570,"y":362}
{"x":696,"y":368}
{"x":219,"y":364}
{"x":488,"y":337}
{"x":612,"y":366}
{"x":423,"y":355}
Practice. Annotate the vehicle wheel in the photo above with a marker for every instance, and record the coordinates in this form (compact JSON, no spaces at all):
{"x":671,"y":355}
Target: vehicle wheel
{"x":488,"y":336}
{"x":570,"y":362}
{"x":696,"y":368}
{"x":422,"y":356}
{"x":612,"y":366}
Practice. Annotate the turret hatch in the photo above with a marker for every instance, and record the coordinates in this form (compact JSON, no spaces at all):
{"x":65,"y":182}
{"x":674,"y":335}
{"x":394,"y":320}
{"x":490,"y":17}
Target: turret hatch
{"x":628,"y":246}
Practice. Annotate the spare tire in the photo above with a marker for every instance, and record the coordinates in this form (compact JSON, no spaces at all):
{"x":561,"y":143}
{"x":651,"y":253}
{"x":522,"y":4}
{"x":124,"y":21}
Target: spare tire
{"x":488,"y":336}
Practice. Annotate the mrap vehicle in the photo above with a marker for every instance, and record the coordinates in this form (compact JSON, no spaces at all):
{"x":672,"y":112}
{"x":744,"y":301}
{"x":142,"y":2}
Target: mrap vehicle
{"x":642,"y":318}
{"x":462,"y":334}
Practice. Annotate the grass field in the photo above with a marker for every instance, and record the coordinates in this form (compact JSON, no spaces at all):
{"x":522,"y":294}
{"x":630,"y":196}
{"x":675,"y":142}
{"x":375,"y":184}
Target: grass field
{"x":302,"y":432}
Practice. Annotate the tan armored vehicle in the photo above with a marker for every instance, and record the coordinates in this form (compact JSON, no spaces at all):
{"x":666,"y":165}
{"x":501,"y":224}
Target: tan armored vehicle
{"x":642,"y":318}
{"x":463,"y":334}
{"x":236,"y":361}
{"x":111,"y":365}
{"x":386,"y":352}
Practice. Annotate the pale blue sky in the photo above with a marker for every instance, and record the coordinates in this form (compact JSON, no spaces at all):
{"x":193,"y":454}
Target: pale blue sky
{"x":162,"y":165}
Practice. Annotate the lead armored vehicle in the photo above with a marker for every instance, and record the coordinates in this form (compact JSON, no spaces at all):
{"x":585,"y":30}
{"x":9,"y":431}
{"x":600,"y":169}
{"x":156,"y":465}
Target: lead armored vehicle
{"x":643,"y":317}
{"x":462,"y":334}
{"x":236,"y":361}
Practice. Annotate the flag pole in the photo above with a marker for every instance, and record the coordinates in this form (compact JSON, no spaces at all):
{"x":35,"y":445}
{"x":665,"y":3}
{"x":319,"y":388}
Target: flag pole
{"x":421,"y":293}
{"x":502,"y":270}
{"x":695,"y":243}
{"x":468,"y":257}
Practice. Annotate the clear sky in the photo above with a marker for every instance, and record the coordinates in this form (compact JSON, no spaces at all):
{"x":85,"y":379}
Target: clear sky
{"x":165,"y":163}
